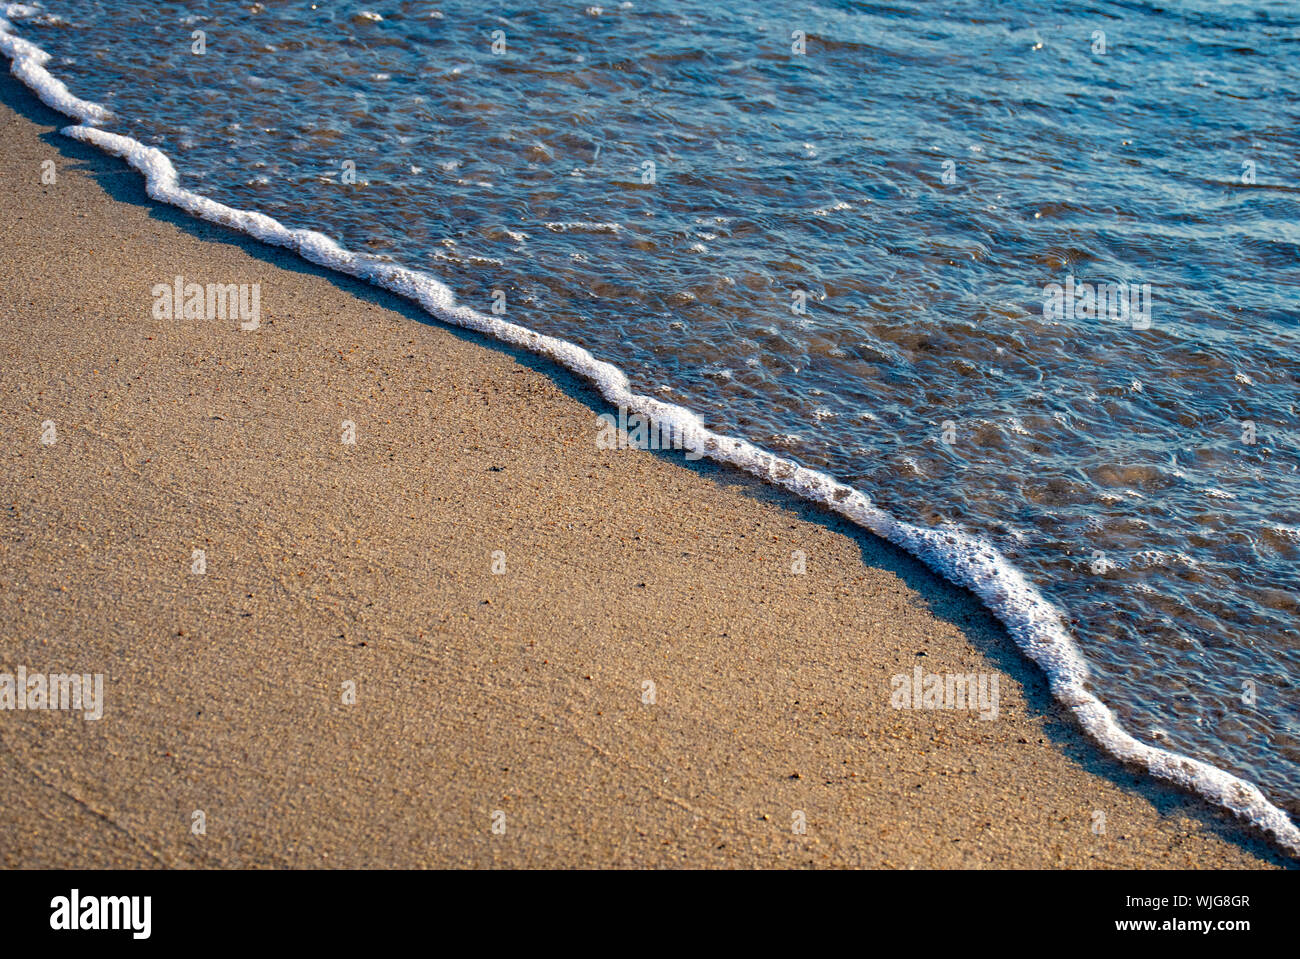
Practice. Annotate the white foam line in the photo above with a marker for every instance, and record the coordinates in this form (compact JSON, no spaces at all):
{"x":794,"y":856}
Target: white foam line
{"x":27,"y":62}
{"x":1033,"y":623}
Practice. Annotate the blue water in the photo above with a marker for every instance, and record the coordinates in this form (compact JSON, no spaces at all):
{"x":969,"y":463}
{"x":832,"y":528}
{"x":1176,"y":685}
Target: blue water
{"x":1115,"y":466}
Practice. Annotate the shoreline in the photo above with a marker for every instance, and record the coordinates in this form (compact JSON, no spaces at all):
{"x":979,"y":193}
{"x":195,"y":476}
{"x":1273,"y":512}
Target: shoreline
{"x":188,"y":468}
{"x":1036,"y":624}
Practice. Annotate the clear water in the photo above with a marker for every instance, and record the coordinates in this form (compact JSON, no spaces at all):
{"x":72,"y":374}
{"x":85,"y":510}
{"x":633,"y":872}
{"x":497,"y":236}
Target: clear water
{"x":777,"y":173}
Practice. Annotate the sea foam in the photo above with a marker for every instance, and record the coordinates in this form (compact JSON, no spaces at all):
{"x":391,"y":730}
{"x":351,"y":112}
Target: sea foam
{"x":1033,"y":622}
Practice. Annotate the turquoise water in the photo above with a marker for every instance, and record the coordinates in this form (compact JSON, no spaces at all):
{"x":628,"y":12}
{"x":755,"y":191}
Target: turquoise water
{"x":917,"y":178}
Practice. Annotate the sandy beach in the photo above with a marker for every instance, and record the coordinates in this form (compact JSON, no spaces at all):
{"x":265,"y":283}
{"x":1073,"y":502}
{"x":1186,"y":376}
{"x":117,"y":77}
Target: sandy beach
{"x":471,"y":637}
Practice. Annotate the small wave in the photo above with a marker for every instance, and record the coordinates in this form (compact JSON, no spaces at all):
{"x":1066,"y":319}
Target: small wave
{"x":27,"y":63}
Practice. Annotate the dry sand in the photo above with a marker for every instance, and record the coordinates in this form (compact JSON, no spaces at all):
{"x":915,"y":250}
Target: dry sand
{"x":476,"y":692}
